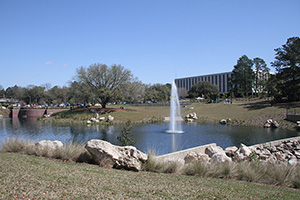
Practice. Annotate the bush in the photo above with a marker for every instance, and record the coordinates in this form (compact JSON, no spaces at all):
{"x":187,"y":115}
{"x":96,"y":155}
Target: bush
{"x":15,"y":145}
{"x":69,"y":152}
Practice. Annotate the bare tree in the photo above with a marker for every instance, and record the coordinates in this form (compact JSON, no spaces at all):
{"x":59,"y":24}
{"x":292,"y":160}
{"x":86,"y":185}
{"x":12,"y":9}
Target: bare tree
{"x":103,"y":81}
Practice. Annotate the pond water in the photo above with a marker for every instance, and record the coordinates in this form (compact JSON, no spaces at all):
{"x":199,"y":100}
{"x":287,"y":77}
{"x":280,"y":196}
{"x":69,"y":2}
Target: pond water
{"x":147,"y":137}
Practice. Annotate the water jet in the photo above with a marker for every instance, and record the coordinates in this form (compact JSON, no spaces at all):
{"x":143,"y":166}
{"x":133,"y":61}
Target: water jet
{"x":175,"y":113}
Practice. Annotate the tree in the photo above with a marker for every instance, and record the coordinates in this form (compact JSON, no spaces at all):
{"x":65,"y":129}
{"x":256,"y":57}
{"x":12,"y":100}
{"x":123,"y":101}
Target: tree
{"x":242,"y":76}
{"x":287,"y":65}
{"x":58,"y":94}
{"x":34,"y":94}
{"x":15,"y":92}
{"x":2,"y":92}
{"x":103,"y":81}
{"x":271,"y":86}
{"x":80,"y":93}
{"x":261,"y":75}
{"x":158,"y":92}
{"x":132,"y":91}
{"x":203,"y":88}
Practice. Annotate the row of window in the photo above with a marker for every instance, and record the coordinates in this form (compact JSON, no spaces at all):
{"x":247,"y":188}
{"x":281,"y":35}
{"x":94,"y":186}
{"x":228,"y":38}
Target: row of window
{"x":221,"y":80}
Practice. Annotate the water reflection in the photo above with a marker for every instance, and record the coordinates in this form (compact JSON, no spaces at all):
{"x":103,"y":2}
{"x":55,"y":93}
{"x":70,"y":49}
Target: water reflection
{"x":149,"y":137}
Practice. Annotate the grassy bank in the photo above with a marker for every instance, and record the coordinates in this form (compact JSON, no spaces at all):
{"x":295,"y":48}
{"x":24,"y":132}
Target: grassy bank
{"x":32,"y":177}
{"x":252,"y":113}
{"x":251,"y":171}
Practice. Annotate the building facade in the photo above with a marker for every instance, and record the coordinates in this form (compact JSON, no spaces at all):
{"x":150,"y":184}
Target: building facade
{"x":220,"y":79}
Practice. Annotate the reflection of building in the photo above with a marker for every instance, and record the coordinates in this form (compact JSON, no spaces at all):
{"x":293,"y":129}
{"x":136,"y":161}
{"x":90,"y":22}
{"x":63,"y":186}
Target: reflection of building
{"x":220,"y":79}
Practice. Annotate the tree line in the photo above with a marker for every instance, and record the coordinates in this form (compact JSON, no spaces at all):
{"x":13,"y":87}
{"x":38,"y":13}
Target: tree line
{"x":100,"y":83}
{"x":97,"y":83}
{"x":252,"y":77}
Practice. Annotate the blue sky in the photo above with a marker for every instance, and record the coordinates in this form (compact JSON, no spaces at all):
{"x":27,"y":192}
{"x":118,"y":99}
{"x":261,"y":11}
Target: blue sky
{"x":158,"y":40}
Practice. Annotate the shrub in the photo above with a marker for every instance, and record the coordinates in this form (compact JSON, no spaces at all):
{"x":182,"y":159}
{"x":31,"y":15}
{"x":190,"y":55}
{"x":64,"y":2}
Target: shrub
{"x":14,"y":145}
{"x":69,"y":152}
{"x":126,"y":136}
{"x":196,"y":168}
{"x":153,"y":164}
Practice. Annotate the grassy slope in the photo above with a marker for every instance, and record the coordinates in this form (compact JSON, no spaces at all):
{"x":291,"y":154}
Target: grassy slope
{"x":237,"y":110}
{"x":247,"y":113}
{"x":38,"y":178}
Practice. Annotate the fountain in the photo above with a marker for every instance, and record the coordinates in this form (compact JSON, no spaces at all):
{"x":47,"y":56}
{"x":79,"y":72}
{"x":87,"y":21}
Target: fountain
{"x":175,"y":114}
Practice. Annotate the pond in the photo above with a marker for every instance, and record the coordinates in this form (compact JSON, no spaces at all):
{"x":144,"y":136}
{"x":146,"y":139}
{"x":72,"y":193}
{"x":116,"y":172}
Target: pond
{"x":147,"y":137}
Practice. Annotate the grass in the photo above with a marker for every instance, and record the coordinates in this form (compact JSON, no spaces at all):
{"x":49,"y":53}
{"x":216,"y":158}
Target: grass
{"x":245,"y":113}
{"x":30,"y":177}
{"x":74,"y":152}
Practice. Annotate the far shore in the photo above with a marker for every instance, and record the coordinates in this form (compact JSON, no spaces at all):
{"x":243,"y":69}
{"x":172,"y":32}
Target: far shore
{"x":240,"y":113}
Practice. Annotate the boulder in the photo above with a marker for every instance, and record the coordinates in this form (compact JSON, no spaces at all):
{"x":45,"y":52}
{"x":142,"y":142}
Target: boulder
{"x":271,"y":124}
{"x":230,"y":151}
{"x":242,"y":153}
{"x":211,"y":150}
{"x":48,"y":144}
{"x":110,"y":118}
{"x":275,"y":124}
{"x":93,"y":119}
{"x":193,"y":156}
{"x":220,"y":157}
{"x":223,"y":121}
{"x":191,"y":117}
{"x":228,"y":121}
{"x":267,"y":125}
{"x":102,"y":118}
{"x":109,"y":155}
{"x":88,"y":122}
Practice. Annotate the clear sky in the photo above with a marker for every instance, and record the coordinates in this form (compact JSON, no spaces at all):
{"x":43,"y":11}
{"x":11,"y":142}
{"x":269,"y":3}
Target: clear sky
{"x":158,"y":40}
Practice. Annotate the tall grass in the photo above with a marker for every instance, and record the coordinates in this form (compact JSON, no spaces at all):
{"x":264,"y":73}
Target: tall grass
{"x":71,"y":151}
{"x":260,"y":172}
{"x":154,"y":164}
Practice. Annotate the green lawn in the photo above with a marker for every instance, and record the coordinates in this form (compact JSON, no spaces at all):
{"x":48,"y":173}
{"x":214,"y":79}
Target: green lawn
{"x":29,"y":177}
{"x":251,"y":113}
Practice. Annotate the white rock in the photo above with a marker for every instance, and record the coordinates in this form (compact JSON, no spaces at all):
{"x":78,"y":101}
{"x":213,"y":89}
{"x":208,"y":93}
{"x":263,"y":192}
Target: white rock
{"x":193,"y":156}
{"x":242,"y":153}
{"x":93,"y":119}
{"x":110,"y":118}
{"x":211,"y":150}
{"x":231,"y":150}
{"x":108,"y":155}
{"x":220,"y":157}
{"x":102,"y":118}
{"x":223,"y":121}
{"x":51,"y":145}
{"x":88,"y":122}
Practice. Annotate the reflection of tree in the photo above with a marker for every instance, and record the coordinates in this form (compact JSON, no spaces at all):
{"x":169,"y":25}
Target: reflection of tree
{"x":255,"y":135}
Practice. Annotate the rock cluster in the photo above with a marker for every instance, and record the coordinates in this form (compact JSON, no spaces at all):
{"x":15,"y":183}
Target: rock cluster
{"x":287,"y":151}
{"x":191,"y":117}
{"x":271,"y":124}
{"x":225,"y":121}
{"x":97,"y":119}
{"x":109,"y":155}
